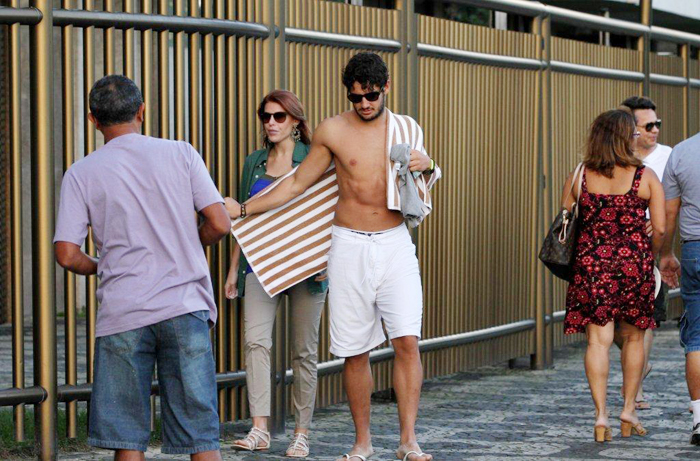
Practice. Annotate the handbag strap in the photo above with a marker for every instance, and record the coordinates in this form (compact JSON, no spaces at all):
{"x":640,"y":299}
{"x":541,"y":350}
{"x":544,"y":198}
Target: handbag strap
{"x":578,"y":171}
{"x":567,"y":221}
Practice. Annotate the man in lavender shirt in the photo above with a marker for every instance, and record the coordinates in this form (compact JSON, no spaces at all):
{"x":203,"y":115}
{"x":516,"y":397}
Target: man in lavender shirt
{"x":139,"y":194}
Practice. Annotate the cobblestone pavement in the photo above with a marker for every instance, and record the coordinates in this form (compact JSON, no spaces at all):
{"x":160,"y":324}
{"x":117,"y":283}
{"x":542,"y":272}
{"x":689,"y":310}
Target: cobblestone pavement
{"x":500,"y":413}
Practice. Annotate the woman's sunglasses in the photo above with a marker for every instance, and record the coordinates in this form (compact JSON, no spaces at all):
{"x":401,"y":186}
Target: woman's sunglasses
{"x":650,"y":126}
{"x":357,"y":98}
{"x":280,"y":117}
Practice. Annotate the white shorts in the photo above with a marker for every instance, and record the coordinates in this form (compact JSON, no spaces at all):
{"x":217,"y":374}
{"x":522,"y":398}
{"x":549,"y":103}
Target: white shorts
{"x":373,"y":277}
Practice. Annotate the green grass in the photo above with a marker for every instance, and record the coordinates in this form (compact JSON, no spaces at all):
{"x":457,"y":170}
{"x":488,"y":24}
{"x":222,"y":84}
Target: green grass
{"x":10,"y":449}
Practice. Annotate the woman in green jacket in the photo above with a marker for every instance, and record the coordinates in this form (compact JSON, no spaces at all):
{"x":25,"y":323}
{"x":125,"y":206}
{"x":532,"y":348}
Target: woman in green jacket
{"x":286,"y":139}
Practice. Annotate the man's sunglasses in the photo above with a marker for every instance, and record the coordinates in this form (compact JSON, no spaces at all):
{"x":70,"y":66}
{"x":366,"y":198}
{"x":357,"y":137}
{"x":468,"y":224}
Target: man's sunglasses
{"x":357,"y":98}
{"x":280,"y":117}
{"x":650,"y":126}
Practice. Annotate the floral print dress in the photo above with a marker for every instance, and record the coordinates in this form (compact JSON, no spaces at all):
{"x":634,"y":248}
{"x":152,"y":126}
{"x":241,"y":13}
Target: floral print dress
{"x":614,"y":266}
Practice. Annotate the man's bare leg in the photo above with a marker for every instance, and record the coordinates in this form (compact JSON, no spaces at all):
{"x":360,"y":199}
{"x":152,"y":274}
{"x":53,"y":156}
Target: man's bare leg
{"x":692,"y":374}
{"x":212,"y":455}
{"x":408,"y":379}
{"x":357,"y":381}
{"x":129,"y":455}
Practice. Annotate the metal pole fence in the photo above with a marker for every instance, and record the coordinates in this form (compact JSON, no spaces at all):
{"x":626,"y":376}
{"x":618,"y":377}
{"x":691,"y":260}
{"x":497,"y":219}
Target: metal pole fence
{"x":508,"y":90}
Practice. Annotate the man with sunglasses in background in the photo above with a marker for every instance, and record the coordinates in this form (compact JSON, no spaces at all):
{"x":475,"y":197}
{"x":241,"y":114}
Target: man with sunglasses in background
{"x":372,"y":268}
{"x":655,"y":156}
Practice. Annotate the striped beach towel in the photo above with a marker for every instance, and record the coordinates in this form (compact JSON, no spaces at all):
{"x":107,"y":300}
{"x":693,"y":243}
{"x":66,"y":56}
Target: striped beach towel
{"x":403,"y":129}
{"x":289,"y":244}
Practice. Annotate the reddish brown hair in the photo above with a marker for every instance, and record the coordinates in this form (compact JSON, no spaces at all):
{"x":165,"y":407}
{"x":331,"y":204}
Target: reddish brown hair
{"x":610,"y":142}
{"x":292,"y":106}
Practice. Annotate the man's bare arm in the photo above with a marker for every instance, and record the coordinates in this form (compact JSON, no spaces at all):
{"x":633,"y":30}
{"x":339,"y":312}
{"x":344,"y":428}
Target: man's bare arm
{"x":71,"y":257}
{"x":668,"y":265}
{"x":313,"y":166}
{"x":216,"y":224}
{"x":657,"y":203}
{"x":673,"y":206}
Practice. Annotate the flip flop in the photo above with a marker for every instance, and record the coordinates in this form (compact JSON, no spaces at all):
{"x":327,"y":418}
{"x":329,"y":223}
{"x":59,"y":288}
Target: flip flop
{"x":641,"y":405}
{"x":360,"y":457}
{"x":412,"y":452}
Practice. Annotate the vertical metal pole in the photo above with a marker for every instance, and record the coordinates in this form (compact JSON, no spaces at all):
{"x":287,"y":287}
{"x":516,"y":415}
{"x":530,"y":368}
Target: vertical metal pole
{"x":281,"y":64}
{"x":269,"y":45}
{"x":91,"y":285}
{"x":548,"y":157}
{"x":539,"y":359}
{"x":164,"y":74}
{"x":128,"y":37}
{"x":405,"y":32}
{"x":71,"y":349}
{"x":179,"y":90}
{"x":644,"y":44}
{"x":220,"y":261}
{"x":685,"y":54}
{"x":43,"y":271}
{"x":232,"y":187}
{"x":408,"y":57}
{"x":543,"y":306}
{"x":109,"y":41}
{"x":194,"y":81}
{"x":16,"y":222}
{"x":146,"y":71}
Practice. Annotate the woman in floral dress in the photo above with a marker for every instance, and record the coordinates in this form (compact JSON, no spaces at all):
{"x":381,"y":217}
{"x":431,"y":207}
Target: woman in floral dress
{"x":613,"y":277}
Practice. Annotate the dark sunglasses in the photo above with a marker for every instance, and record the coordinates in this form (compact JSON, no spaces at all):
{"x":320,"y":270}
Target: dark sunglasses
{"x":357,"y":98}
{"x":280,"y":117}
{"x":650,"y":126}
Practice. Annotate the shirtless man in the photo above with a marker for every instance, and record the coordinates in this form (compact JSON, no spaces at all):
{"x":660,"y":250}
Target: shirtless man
{"x":372,"y":269}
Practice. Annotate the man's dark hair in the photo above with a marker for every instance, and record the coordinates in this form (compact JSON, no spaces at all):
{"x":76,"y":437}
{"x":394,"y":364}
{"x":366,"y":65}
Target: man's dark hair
{"x":639,"y":102}
{"x":367,"y":69}
{"x":115,"y":99}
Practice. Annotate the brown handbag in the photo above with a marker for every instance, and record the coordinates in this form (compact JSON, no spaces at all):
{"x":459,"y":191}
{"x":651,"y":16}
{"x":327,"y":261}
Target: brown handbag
{"x":557,"y":252}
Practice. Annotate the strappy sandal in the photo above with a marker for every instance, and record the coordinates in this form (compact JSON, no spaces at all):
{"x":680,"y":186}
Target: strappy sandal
{"x":251,"y":442}
{"x":412,"y":452}
{"x":299,"y":447}
{"x":360,"y":457}
{"x":627,"y":429}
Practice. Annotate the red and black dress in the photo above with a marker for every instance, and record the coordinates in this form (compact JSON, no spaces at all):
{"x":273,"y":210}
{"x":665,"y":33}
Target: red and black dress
{"x":614,"y":266}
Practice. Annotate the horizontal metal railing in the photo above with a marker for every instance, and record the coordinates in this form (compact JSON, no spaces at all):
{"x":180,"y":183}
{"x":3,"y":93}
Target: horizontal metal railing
{"x":24,"y":16}
{"x":156,"y":22}
{"x":341,"y":40}
{"x":10,"y":397}
{"x":479,"y":58}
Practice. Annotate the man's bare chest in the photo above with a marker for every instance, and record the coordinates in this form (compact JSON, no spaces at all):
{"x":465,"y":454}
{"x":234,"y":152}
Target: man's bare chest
{"x":361,"y":154}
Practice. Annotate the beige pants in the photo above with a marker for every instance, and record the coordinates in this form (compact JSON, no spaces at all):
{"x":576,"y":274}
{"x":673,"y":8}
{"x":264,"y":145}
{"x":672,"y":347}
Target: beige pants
{"x":259,"y":318}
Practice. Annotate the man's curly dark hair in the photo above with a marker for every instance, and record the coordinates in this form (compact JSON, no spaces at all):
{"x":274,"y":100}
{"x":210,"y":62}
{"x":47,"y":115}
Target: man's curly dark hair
{"x":367,"y":69}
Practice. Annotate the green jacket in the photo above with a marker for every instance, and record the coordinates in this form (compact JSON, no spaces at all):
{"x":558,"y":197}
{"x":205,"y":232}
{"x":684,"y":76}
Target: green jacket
{"x":254,"y":168}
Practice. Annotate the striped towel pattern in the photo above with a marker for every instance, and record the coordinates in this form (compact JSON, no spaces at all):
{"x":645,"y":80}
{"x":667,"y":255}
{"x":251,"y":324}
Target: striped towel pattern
{"x":402,"y":129}
{"x":289,"y":244}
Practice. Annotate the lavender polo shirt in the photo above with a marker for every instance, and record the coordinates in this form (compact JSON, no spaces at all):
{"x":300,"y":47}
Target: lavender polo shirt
{"x":140,"y":194}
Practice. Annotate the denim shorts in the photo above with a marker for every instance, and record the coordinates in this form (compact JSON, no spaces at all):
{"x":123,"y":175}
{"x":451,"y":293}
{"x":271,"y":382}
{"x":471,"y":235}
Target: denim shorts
{"x":120,"y":406}
{"x":690,"y":292}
